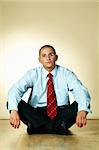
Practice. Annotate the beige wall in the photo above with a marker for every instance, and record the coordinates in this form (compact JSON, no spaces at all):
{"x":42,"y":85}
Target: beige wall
{"x":2,"y":66}
{"x":98,"y":50}
{"x":69,"y":27}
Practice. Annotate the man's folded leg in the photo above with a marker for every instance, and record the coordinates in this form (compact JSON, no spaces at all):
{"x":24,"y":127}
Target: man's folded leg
{"x":69,"y":115}
{"x":66,"y":117}
{"x":38,"y":123}
{"x":62,"y":122}
{"x":30,"y":116}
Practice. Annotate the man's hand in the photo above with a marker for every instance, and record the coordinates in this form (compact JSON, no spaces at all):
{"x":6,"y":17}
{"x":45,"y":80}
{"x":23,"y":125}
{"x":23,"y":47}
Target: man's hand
{"x":81,"y":118}
{"x":14,"y":119}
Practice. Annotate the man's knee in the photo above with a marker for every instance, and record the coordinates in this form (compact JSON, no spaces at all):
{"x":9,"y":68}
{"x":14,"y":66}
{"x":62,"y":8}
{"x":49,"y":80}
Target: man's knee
{"x":20,"y":105}
{"x":74,"y":107}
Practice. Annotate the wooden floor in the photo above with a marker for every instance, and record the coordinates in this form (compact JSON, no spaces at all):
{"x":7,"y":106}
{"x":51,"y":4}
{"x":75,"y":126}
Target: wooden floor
{"x":86,"y":138}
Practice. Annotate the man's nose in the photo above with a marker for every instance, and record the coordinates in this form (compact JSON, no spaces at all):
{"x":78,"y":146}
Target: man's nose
{"x":48,"y":57}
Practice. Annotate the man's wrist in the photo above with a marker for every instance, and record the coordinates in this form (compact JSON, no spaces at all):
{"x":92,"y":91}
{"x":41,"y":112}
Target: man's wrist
{"x":13,"y":111}
{"x":82,"y":111}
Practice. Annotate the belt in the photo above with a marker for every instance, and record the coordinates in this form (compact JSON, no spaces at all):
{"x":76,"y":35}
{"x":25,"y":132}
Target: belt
{"x":58,"y":107}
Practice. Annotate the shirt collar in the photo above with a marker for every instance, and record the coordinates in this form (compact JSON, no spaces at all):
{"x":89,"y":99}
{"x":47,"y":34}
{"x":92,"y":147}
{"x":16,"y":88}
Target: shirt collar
{"x":53,"y":72}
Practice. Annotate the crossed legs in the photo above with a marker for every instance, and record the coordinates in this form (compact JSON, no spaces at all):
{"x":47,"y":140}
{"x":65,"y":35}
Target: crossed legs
{"x":38,"y":121}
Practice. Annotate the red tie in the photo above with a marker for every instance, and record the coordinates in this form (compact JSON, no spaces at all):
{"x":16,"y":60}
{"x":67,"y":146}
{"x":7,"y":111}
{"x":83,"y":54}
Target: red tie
{"x":51,"y":98}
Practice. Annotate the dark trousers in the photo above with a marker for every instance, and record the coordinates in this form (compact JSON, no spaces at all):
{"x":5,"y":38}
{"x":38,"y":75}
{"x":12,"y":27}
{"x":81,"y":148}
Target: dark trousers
{"x":38,"y":118}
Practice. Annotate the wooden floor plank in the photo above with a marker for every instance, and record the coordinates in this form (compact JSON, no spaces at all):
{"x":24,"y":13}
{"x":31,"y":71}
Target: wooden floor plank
{"x":86,"y":138}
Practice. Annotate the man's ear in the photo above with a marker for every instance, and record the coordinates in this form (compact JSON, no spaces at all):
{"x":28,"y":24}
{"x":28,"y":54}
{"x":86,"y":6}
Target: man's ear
{"x":56,"y":58}
{"x":39,"y":59}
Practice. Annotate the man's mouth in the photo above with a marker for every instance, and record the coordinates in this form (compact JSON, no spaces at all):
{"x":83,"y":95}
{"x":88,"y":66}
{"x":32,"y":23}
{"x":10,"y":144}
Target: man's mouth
{"x":48,"y":62}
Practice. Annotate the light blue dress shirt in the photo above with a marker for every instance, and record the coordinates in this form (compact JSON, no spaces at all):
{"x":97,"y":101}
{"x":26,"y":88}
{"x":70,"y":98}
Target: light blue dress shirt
{"x":64,"y":81}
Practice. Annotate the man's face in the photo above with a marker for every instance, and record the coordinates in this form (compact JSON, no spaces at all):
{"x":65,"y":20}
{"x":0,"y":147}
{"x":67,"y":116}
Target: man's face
{"x":47,"y":58}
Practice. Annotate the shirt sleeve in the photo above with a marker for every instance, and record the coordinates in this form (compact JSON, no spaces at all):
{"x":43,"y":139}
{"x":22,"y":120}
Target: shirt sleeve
{"x":79,"y":92}
{"x":19,"y":88}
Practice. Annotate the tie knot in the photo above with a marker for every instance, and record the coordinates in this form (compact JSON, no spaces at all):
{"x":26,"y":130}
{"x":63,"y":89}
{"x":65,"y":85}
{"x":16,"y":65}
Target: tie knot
{"x":50,"y":75}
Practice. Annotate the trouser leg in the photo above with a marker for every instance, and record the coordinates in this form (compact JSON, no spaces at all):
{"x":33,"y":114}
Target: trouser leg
{"x":29,"y":115}
{"x":67,"y":116}
{"x":70,"y":115}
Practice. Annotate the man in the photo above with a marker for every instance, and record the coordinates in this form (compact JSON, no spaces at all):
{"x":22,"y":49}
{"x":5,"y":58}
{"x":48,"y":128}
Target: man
{"x":49,"y":109}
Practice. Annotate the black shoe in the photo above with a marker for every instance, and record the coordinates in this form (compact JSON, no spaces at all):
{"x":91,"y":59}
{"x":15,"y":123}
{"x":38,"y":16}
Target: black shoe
{"x":52,"y":129}
{"x":61,"y":129}
{"x":31,"y":130}
{"x":61,"y":132}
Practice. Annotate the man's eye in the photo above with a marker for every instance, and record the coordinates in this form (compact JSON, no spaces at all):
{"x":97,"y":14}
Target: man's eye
{"x":43,"y":55}
{"x":51,"y":54}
